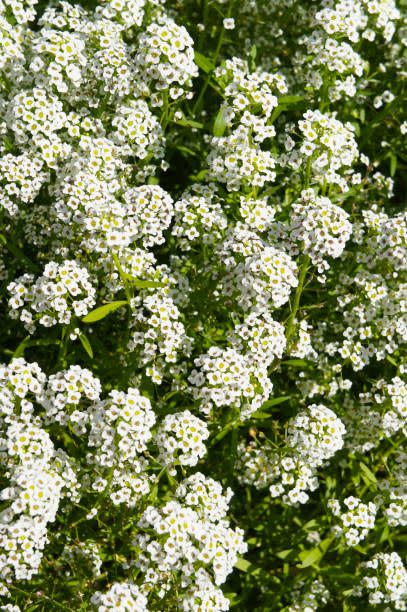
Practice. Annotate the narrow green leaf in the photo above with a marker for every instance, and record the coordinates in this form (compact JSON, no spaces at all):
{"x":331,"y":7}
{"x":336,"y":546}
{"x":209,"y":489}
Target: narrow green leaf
{"x":203,"y":62}
{"x":283,"y":554}
{"x":219,"y":125}
{"x":19,"y":352}
{"x":252,"y":56}
{"x":184,"y":122}
{"x":297,"y":363}
{"x":274,"y":402}
{"x":86,"y":345}
{"x":287,"y":100}
{"x":142,"y":284}
{"x":392,"y":361}
{"x":245,"y":566}
{"x":393,"y":164}
{"x":313,"y":556}
{"x":102,"y":311}
{"x":260,"y":415}
{"x":368,"y":473}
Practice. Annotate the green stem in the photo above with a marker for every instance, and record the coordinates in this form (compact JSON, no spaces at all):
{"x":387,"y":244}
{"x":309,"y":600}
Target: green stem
{"x":199,"y":100}
{"x":290,"y":329}
{"x":63,"y":346}
{"x":122,"y":275}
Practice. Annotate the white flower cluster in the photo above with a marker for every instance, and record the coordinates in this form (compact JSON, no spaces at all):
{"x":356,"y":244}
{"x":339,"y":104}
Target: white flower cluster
{"x":310,"y":598}
{"x":316,"y":433}
{"x":382,"y":412}
{"x":224,"y":377}
{"x":234,"y":161}
{"x":259,"y":338}
{"x":356,"y":19}
{"x":22,"y":381}
{"x":67,"y":397}
{"x":263,"y":278}
{"x":313,"y":437}
{"x":188,"y":533}
{"x":257,"y":213}
{"x":386,"y":239}
{"x":244,"y":90}
{"x":356,"y":522}
{"x":159,"y":336}
{"x":38,"y":476}
{"x":393,"y":492}
{"x":121,"y":596}
{"x":198,"y":215}
{"x":62,"y":292}
{"x":136,"y":127}
{"x":375,"y":322}
{"x":321,"y":228}
{"x":120,"y":428}
{"x":165,"y":59}
{"x":238,"y":159}
{"x":21,"y":179}
{"x":384,"y":581}
{"x":301,"y":344}
{"x":327,"y":144}
{"x":180,"y":438}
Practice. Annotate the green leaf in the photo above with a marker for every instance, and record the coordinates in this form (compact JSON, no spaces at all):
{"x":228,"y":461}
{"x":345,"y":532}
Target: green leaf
{"x":245,"y":566}
{"x":288,"y":100}
{"x":184,"y":122}
{"x":102,"y":311}
{"x":283,"y":554}
{"x":260,"y":415}
{"x":392,"y":361}
{"x":219,"y":125}
{"x":297,"y":363}
{"x":204,"y":63}
{"x":393,"y":164}
{"x":274,"y":402}
{"x":252,"y":56}
{"x":142,"y":284}
{"x":314,"y":556}
{"x":19,"y":352}
{"x":368,"y":473}
{"x":86,"y":345}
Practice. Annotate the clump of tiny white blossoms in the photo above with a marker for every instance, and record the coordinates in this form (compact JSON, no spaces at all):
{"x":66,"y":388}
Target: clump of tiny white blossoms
{"x":120,"y":596}
{"x":310,"y":598}
{"x":316,"y":433}
{"x":382,"y":412}
{"x":384,"y":581}
{"x":313,"y":437}
{"x":61,"y":292}
{"x":67,"y":397}
{"x":120,"y":429}
{"x":320,"y":227}
{"x":328,"y":145}
{"x":158,"y":335}
{"x":257,"y":274}
{"x":226,"y":378}
{"x":165,"y":59}
{"x":37,"y":475}
{"x":355,"y":523}
{"x":393,"y":491}
{"x":189,"y":532}
{"x":180,"y":438}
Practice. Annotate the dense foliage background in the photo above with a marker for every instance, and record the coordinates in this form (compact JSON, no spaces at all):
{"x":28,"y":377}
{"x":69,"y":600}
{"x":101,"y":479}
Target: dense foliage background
{"x":203,"y":305}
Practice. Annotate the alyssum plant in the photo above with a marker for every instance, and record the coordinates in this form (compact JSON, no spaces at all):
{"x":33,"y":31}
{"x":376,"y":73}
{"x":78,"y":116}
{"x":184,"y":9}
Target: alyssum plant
{"x":203,"y":305}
